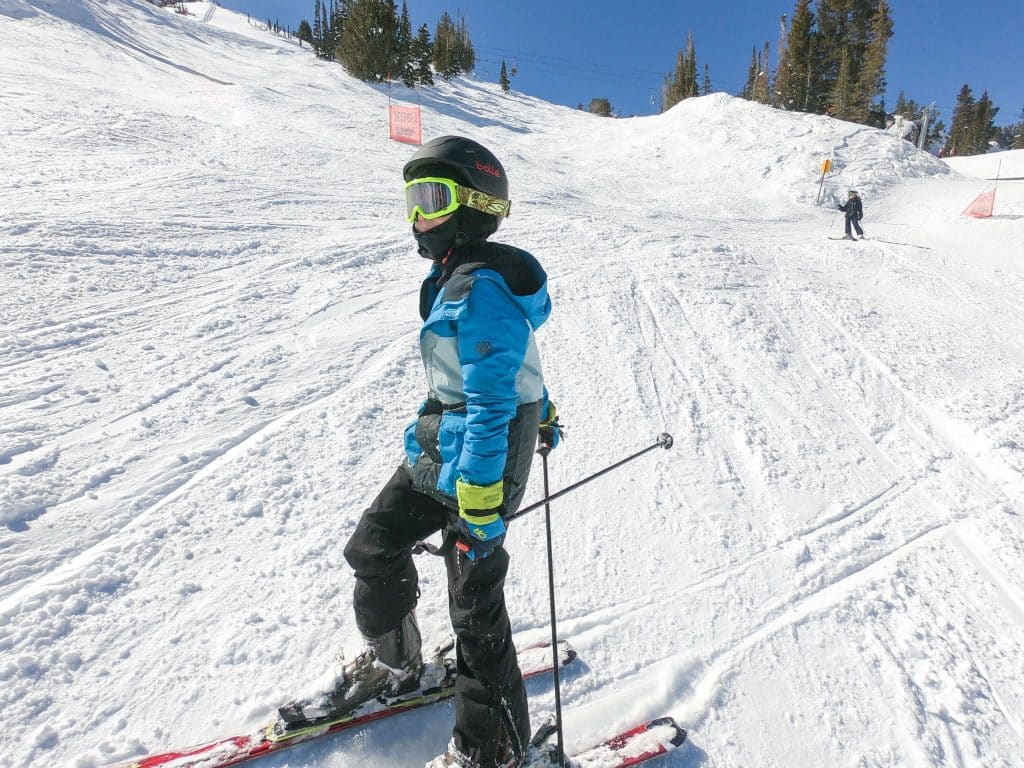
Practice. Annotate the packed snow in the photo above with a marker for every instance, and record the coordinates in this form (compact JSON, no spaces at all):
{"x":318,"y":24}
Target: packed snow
{"x":209,"y":350}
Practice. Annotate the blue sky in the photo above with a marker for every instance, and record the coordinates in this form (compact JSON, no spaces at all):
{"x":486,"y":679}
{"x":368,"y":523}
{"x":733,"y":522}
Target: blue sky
{"x":569,"y":51}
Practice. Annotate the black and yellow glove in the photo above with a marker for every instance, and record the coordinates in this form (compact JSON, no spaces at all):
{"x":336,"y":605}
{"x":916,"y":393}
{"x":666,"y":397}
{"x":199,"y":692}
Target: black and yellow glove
{"x":481,"y":526}
{"x":550,"y":433}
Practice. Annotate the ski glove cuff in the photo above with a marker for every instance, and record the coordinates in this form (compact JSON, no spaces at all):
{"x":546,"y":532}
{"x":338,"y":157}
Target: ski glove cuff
{"x":481,"y":527}
{"x":550,"y":432}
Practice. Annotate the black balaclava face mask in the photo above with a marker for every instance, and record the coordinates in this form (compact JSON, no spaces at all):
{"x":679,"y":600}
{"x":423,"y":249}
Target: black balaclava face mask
{"x":436,"y":243}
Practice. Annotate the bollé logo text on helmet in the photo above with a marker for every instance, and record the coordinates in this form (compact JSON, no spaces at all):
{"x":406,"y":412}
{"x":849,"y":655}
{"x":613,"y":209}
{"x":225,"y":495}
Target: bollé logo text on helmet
{"x":488,"y":169}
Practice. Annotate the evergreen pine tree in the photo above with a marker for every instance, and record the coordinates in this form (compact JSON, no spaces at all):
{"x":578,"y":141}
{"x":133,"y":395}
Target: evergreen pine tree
{"x":870,"y":80}
{"x":831,"y":39}
{"x":422,"y":55}
{"x":841,"y":96}
{"x":688,"y":87}
{"x":369,"y":39}
{"x":503,"y":78}
{"x":445,"y":47}
{"x":982,"y":124}
{"x":936,"y":135}
{"x":1004,"y":136}
{"x":391,"y":37}
{"x":797,"y":65}
{"x":672,"y":92}
{"x":683,"y":83}
{"x":326,"y":33}
{"x":1019,"y":141}
{"x":403,"y":53}
{"x":782,"y":72}
{"x":755,"y":66}
{"x":852,"y":43}
{"x":318,"y":30}
{"x":761,"y":91}
{"x":903,"y":106}
{"x":959,"y":141}
{"x":326,"y":49}
{"x":338,"y":16}
{"x":305,"y":32}
{"x":330,"y":41}
{"x":600,"y":106}
{"x":465,"y":56}
{"x":705,"y":86}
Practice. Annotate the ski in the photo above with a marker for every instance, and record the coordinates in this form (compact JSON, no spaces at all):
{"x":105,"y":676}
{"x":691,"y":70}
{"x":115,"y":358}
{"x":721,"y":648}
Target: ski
{"x":632,"y":747}
{"x":534,"y":660}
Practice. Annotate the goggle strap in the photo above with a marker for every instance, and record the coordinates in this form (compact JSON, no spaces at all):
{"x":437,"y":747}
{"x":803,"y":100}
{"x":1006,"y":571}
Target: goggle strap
{"x":482,"y":201}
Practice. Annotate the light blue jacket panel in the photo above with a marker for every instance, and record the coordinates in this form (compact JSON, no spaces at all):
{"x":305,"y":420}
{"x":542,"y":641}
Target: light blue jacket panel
{"x":482,"y":366}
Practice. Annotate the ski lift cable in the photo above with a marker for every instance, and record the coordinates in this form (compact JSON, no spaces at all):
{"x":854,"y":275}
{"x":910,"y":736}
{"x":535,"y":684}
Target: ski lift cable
{"x":594,"y":68}
{"x":605,"y":77}
{"x":563,"y":59}
{"x":562,"y":68}
{"x":588,"y":76}
{"x":554,"y":69}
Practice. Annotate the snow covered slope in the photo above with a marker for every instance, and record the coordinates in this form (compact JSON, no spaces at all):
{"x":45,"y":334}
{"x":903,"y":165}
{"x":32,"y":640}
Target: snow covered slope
{"x":208,"y":351}
{"x":1004,"y":164}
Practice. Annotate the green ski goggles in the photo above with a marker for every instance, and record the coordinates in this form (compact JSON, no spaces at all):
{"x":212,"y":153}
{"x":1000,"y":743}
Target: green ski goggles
{"x":433,"y":197}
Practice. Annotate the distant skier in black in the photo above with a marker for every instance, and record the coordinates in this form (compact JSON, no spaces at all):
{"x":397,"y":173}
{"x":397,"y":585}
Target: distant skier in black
{"x":854,"y":210}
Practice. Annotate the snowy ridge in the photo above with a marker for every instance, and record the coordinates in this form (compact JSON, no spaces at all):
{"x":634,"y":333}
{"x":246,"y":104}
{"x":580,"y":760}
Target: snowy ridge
{"x":209,"y":351}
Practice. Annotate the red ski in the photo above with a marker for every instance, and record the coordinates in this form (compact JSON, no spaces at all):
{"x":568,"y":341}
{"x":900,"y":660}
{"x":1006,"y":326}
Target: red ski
{"x":632,"y":747}
{"x":534,"y":660}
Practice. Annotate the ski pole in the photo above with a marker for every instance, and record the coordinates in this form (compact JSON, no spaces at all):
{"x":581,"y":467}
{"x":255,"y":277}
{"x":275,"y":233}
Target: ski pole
{"x":830,"y":226}
{"x":664,"y":441}
{"x":554,"y":631}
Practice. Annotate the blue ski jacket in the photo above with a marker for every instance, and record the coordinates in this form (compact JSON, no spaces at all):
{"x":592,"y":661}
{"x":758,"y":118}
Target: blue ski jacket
{"x":485,"y":388}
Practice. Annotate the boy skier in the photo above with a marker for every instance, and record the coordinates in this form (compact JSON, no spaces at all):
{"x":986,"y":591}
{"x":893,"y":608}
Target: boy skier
{"x":854,"y":213}
{"x":468,"y":456}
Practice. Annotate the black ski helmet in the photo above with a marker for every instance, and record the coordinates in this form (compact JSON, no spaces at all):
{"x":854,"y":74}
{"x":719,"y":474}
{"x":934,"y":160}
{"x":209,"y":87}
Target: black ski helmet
{"x":466,"y":161}
{"x":471,"y":164}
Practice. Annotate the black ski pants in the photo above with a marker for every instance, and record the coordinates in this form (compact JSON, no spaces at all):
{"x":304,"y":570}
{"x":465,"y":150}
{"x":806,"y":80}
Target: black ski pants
{"x":856,"y":225}
{"x":490,"y":698}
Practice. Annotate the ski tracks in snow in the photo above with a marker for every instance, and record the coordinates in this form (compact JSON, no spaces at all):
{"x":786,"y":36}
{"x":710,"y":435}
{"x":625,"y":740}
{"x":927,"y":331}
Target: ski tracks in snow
{"x":213,"y":350}
{"x":170,"y":465}
{"x":791,"y":577}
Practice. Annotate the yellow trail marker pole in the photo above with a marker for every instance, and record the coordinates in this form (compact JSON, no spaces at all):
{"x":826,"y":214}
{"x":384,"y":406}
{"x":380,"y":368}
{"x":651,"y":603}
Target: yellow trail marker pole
{"x":826,"y":166}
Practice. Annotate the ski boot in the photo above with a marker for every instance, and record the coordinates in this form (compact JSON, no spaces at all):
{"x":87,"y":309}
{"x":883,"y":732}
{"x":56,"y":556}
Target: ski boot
{"x":388,"y":668}
{"x":453,"y":758}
